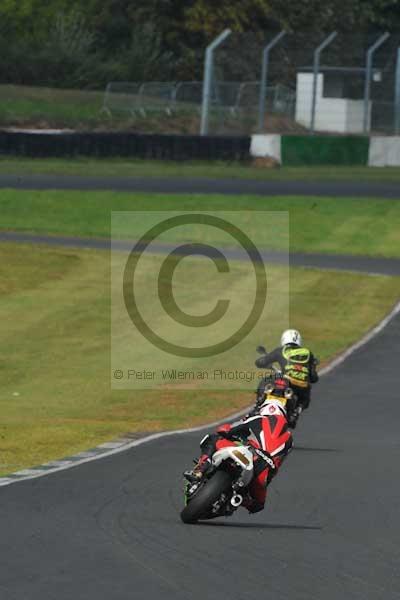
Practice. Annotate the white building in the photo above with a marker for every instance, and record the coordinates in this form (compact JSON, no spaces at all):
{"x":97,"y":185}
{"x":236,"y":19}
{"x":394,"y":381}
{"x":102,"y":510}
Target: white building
{"x":334,"y":113}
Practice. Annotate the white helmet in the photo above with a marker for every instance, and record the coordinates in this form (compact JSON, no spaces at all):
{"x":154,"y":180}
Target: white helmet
{"x":291,"y":336}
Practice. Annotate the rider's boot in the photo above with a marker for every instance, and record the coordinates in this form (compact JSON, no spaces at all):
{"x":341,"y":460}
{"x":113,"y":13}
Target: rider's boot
{"x":294,"y":417}
{"x":197,"y":473}
{"x":252,"y":505}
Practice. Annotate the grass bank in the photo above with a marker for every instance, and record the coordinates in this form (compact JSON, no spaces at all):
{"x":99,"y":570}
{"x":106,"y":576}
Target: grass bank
{"x":360,"y":226}
{"x":142,"y":168}
{"x":49,"y":107}
{"x":55,"y":352}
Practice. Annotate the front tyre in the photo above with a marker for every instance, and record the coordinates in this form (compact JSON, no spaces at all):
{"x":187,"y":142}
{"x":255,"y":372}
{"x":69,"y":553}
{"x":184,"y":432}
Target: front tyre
{"x":202,"y":502}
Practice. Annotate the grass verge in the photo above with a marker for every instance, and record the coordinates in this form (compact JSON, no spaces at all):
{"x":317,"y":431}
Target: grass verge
{"x":55,"y":351}
{"x":360,"y":226}
{"x":47,"y":107}
{"x":218,"y":169}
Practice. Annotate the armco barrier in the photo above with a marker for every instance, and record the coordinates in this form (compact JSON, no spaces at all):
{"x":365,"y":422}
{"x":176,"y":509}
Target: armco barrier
{"x":163,"y":147}
{"x":298,"y":150}
{"x":384,"y":152}
{"x":289,"y":150}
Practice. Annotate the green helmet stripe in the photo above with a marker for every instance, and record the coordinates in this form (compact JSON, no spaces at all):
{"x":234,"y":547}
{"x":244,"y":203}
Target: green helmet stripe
{"x":298,"y":355}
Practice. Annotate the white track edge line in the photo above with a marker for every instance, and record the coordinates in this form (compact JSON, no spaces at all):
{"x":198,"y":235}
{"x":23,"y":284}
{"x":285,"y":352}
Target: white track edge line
{"x":5,"y":481}
{"x":362,"y":342}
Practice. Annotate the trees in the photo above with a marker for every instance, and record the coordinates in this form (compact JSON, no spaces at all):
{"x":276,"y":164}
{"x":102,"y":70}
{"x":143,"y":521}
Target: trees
{"x":330,"y":14}
{"x":76,"y":42}
{"x":210,"y":18}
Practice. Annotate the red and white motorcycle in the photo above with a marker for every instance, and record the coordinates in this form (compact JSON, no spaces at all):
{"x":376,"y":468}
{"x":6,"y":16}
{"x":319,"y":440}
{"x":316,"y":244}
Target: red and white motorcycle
{"x":244,"y":462}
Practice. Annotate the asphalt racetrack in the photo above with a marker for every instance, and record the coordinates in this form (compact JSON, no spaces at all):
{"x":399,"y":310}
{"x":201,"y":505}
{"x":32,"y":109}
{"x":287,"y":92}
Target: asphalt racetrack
{"x":202,"y":185}
{"x":360,"y":264}
{"x":110,"y":529}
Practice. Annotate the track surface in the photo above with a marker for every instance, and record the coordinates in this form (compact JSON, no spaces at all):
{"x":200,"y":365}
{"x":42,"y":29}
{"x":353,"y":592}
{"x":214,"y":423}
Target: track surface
{"x":201,"y":185}
{"x":111,"y":529}
{"x":361,"y":264}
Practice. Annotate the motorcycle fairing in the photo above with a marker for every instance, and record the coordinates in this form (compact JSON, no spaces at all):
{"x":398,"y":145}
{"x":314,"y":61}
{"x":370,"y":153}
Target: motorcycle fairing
{"x":270,"y":433}
{"x":239,"y":454}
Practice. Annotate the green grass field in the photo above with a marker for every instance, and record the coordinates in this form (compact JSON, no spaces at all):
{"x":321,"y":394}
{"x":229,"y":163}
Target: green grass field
{"x":56,"y":394}
{"x":217,"y":169}
{"x":325,"y":225}
{"x":44,"y":107}
{"x":54,"y":360}
{"x":47,"y":107}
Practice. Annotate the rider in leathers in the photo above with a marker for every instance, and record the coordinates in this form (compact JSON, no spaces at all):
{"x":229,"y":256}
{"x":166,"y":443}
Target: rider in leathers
{"x":297,"y":364}
{"x":264,"y":469}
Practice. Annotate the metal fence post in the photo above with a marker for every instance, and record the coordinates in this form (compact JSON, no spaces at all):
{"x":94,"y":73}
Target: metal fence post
{"x":264,"y":79}
{"x":207,"y":82}
{"x":317,"y":57}
{"x":368,"y":76}
{"x":397,"y":97}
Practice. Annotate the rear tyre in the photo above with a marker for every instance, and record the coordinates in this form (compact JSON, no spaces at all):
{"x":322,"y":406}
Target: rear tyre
{"x":202,"y":502}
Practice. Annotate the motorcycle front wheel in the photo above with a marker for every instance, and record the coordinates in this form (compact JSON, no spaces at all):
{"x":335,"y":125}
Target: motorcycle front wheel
{"x":201,"y":504}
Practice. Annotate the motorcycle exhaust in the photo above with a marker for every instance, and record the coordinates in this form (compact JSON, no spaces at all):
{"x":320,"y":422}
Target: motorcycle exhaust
{"x":236,"y":500}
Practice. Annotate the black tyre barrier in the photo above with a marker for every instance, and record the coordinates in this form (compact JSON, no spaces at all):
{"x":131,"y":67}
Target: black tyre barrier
{"x":160,"y":147}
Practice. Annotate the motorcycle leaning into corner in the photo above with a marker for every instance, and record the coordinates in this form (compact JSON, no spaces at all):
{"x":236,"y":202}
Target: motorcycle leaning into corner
{"x":243,"y":459}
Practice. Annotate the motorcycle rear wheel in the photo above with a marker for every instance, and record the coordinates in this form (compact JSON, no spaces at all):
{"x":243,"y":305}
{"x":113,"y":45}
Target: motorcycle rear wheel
{"x":202,"y":502}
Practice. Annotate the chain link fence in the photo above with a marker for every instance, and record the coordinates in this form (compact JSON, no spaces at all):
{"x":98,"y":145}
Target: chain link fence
{"x":284,"y":83}
{"x":233,"y":104}
{"x":271,"y":82}
{"x":303,"y":83}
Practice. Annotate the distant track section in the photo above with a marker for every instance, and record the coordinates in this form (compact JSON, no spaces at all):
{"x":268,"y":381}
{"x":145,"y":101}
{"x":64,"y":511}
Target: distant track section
{"x":360,"y":264}
{"x":201,"y":185}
